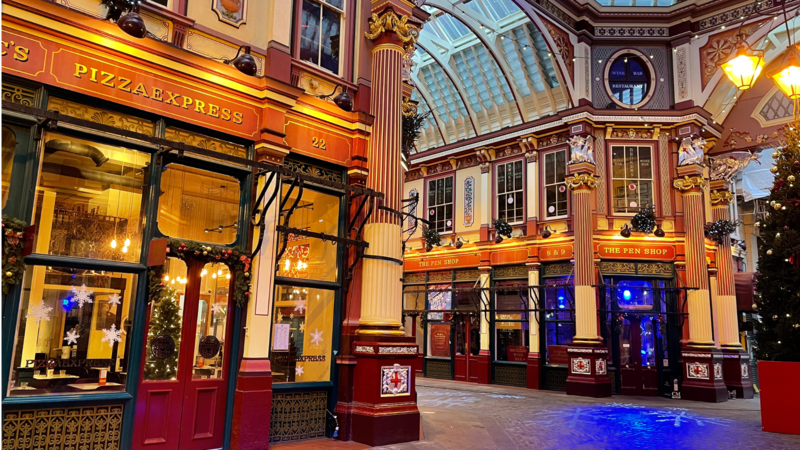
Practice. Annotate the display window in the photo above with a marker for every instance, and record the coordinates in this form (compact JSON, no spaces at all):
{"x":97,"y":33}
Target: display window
{"x":72,"y":331}
{"x":558,"y":319}
{"x":199,"y":205}
{"x":511,"y":321}
{"x":10,"y":144}
{"x":631,"y":178}
{"x":89,"y":200}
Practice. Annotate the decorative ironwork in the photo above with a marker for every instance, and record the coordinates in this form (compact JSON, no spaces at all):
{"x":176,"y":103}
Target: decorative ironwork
{"x":414,"y":277}
{"x":63,"y":428}
{"x":440,"y":276}
{"x":686,"y":183}
{"x":511,"y":375}
{"x":511,"y":272}
{"x":314,"y":171}
{"x":205,"y":142}
{"x":297,"y":416}
{"x":654,"y":268}
{"x":19,"y":95}
{"x":617,"y":267}
{"x":437,"y":369}
{"x":558,"y":269}
{"x":100,"y":116}
{"x":582,"y":179}
{"x":389,"y":21}
{"x":470,"y":275}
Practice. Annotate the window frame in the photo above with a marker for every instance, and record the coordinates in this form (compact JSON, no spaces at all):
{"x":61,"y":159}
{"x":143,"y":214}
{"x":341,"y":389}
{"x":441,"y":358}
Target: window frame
{"x":452,"y":176}
{"x":344,"y":33}
{"x":543,"y":176}
{"x":496,"y":194}
{"x":494,"y":320}
{"x":654,"y":173}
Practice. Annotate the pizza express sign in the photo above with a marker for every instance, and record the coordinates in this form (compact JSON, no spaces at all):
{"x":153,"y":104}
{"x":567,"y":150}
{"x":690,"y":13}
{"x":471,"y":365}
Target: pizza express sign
{"x":132,"y":84}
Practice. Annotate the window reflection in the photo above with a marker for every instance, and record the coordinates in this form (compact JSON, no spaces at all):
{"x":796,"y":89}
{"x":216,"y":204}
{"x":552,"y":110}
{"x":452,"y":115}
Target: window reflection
{"x":9,"y":148}
{"x":320,"y":35}
{"x":212,"y":317}
{"x":166,"y":320}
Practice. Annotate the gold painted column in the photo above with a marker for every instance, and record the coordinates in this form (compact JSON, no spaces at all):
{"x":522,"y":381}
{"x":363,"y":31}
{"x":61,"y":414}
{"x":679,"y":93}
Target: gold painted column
{"x":381,"y":290}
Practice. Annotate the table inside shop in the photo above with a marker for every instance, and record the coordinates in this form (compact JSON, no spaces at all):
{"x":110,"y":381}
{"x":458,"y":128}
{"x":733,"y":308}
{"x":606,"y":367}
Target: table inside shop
{"x":94,"y":386}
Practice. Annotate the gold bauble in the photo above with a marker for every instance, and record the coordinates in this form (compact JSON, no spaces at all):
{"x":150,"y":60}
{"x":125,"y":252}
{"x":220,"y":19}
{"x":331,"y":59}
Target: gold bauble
{"x":774,"y":169}
{"x":776,"y":154}
{"x":769,"y":252}
{"x":205,"y":253}
{"x":777,"y":206}
{"x":775,"y":317}
{"x":247,"y":274}
{"x":9,"y":274}
{"x":790,"y":178}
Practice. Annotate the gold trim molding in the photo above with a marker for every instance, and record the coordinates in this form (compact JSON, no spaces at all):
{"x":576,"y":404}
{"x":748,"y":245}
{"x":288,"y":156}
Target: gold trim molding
{"x":409,"y":107}
{"x":389,"y":21}
{"x":686,"y":183}
{"x":582,"y":179}
{"x":721,"y":196}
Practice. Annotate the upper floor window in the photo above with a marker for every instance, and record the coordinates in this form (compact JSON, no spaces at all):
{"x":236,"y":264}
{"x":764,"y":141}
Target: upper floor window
{"x":320,"y":32}
{"x":555,"y":190}
{"x":510,"y":192}
{"x":632,"y":178}
{"x":440,"y":204}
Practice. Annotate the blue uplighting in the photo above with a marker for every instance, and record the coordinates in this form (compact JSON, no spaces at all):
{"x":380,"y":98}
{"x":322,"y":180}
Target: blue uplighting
{"x":561,"y":304}
{"x":626,"y":294}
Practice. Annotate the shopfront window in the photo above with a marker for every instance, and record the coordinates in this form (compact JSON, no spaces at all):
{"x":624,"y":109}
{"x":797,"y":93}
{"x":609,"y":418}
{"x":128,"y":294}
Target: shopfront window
{"x":89,"y":200}
{"x":511,"y":321}
{"x":212,"y":318}
{"x":559,"y":323}
{"x":72,"y":332}
{"x":9,"y":149}
{"x":320,"y":33}
{"x":440,"y":204}
{"x":302,"y":334}
{"x":510,"y":192}
{"x":555,"y":190}
{"x":306,"y":257}
{"x":166,"y":322}
{"x":634,"y":294}
{"x":632,"y":178}
{"x":198,"y":205}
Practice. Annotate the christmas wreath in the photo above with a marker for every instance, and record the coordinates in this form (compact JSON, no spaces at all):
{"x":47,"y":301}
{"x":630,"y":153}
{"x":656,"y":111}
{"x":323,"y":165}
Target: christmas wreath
{"x":720,"y":229}
{"x":645,"y":220}
{"x":432,"y":238}
{"x":502,"y":228}
{"x":236,"y":260}
{"x":13,"y":264}
{"x":117,"y":7}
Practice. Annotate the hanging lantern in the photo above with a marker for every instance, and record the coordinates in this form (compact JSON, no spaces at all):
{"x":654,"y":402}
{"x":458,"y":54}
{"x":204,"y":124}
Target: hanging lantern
{"x":743,"y":69}
{"x":787,"y":77}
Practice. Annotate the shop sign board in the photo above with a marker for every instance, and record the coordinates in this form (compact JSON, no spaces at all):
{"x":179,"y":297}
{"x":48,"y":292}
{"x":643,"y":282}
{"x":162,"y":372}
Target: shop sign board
{"x":556,"y":252}
{"x":88,"y":72}
{"x":517,"y":353}
{"x":315,"y":141}
{"x":443,"y":262}
{"x":636,"y":250}
{"x":440,"y":340}
{"x":557,"y":354}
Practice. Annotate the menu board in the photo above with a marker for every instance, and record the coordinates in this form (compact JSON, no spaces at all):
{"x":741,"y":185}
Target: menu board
{"x":440,"y":340}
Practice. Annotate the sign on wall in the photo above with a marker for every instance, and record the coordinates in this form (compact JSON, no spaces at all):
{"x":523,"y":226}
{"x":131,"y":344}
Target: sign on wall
{"x":444,"y":262}
{"x":232,"y":12}
{"x":636,"y":250}
{"x":318,"y":142}
{"x":469,"y":201}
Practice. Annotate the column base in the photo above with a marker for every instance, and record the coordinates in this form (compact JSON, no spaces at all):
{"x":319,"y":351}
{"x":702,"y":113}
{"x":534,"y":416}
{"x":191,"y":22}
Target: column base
{"x":736,"y":372}
{"x":252,"y":405}
{"x":384,"y":409}
{"x":588,"y":371}
{"x":702,"y":375}
{"x":534,"y":371}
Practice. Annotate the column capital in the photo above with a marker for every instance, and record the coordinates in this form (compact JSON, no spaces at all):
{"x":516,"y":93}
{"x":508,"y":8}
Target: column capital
{"x":389,"y":21}
{"x":721,"y":197}
{"x":582,"y":181}
{"x":689,"y":181}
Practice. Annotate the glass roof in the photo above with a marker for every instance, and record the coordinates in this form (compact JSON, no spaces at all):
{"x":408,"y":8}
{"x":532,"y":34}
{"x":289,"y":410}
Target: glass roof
{"x":636,"y":2}
{"x":480,"y":66}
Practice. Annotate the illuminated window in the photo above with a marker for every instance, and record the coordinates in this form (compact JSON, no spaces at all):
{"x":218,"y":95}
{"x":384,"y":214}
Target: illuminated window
{"x":511,"y":322}
{"x":198,"y":205}
{"x":9,"y":149}
{"x":510,"y":192}
{"x":558,"y":319}
{"x":72,"y":332}
{"x":629,"y":80}
{"x":440,"y":204}
{"x":320,"y":33}
{"x":89,"y":200}
{"x":632,"y":178}
{"x":634,"y":294}
{"x":555,"y":190}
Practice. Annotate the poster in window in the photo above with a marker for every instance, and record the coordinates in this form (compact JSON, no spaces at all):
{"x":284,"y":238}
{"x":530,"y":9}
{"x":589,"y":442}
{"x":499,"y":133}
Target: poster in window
{"x":440,"y":340}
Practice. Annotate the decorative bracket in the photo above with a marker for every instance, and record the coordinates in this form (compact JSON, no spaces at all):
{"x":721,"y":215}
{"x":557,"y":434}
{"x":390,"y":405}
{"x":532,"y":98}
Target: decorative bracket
{"x":582,"y":179}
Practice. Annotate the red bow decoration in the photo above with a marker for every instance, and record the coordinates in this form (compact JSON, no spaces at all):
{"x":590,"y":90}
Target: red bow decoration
{"x":13,"y":237}
{"x":778,"y":185}
{"x":793,"y":202}
{"x":246,"y":262}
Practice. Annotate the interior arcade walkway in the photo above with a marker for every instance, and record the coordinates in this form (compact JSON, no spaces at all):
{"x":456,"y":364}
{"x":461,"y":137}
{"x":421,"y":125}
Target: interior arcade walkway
{"x":466,"y":416}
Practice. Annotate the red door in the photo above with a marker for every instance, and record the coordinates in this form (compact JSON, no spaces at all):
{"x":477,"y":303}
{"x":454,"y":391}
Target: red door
{"x":467,"y":347}
{"x":181,"y":398}
{"x":638,"y":357}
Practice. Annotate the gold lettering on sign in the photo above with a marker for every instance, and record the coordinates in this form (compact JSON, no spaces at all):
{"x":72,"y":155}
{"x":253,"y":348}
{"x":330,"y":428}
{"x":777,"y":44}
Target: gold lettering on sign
{"x":20,"y":53}
{"x":439,"y":262}
{"x":318,"y":143}
{"x":124,"y":84}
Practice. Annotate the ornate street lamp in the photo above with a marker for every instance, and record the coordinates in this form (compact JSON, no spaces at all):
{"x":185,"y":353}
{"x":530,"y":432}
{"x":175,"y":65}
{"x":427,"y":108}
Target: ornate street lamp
{"x":244,"y":62}
{"x":743,"y":68}
{"x":787,"y":76}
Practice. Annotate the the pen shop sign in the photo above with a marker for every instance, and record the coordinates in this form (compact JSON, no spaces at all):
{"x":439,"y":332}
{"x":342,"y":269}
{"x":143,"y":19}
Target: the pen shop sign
{"x":87,"y":71}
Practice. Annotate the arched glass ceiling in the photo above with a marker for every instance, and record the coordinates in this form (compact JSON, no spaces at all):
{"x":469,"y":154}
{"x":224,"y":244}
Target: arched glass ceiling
{"x":480,"y":66}
{"x":637,"y":2}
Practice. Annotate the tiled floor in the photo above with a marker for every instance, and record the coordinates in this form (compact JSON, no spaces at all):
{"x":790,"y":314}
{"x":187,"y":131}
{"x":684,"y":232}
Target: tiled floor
{"x":466,"y":416}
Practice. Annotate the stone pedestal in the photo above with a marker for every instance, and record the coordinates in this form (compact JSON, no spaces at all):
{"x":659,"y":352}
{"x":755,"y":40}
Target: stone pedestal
{"x":702,"y":375}
{"x":252,"y":405}
{"x":736,"y":372}
{"x":588,"y":371}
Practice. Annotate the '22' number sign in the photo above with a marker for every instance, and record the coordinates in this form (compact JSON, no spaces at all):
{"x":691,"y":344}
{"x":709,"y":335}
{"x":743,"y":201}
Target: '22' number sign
{"x":318,"y":143}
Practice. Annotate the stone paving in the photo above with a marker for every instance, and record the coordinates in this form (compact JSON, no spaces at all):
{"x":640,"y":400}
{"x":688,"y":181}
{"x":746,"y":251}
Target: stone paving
{"x":467,"y":416}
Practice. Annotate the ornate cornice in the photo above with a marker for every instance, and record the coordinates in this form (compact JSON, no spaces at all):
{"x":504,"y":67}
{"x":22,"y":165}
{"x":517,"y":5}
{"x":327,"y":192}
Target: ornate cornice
{"x":721,"y":196}
{"x":686,"y":183}
{"x":582,"y":179}
{"x":389,"y":21}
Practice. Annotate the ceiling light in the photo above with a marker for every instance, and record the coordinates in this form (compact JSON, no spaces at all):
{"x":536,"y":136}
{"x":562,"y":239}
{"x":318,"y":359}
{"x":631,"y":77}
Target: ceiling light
{"x":744,"y":68}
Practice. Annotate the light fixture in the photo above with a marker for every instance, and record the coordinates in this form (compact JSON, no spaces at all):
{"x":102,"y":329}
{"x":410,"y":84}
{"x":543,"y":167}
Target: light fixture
{"x":743,"y":68}
{"x":244,"y":62}
{"x":343,"y":100}
{"x":113,"y":243}
{"x":787,"y":77}
{"x":547,"y":232}
{"x":659,"y":231}
{"x":626,"y":231}
{"x":133,"y":24}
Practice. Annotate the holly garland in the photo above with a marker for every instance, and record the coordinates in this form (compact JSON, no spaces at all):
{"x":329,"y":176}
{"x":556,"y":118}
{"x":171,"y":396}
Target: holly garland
{"x":236,"y":260}
{"x":13,"y":261}
{"x":503,"y":228}
{"x":720,"y":229}
{"x":432,"y":238}
{"x":645,"y":220}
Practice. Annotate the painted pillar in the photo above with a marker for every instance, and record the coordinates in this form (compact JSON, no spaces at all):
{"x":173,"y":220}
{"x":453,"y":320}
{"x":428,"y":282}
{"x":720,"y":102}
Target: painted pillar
{"x":481,"y":365}
{"x":534,"y":358}
{"x":588,"y":374}
{"x":736,"y":362}
{"x":701,"y":361}
{"x":532,"y":184}
{"x":485,"y":195}
{"x":386,"y":411}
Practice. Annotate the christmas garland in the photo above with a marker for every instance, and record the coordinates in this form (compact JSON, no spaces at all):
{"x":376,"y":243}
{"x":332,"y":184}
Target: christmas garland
{"x":236,"y":260}
{"x":503,"y":228}
{"x":720,"y":229}
{"x":645,"y":220}
{"x":13,"y":261}
{"x":432,"y":238}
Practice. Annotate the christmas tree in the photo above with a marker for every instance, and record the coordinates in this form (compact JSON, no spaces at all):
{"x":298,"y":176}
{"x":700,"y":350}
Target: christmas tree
{"x":165,"y":321}
{"x":778,"y":333}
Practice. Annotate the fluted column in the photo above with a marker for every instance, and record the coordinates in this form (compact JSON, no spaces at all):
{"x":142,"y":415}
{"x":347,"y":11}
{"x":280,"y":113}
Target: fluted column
{"x":691,"y":188}
{"x":581,"y":182}
{"x":381,"y":290}
{"x":726,"y":286}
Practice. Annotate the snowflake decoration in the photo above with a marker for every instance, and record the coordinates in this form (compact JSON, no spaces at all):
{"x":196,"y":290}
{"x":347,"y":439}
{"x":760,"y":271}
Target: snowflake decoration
{"x":316,"y":337}
{"x":302,"y":327}
{"x":216,"y":308}
{"x":298,"y":371}
{"x":81,"y":295}
{"x":111,"y":335}
{"x":113,"y":299}
{"x":71,"y":337}
{"x":300,"y":305}
{"x":682,"y":415}
{"x":39,"y":312}
{"x":504,"y":396}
